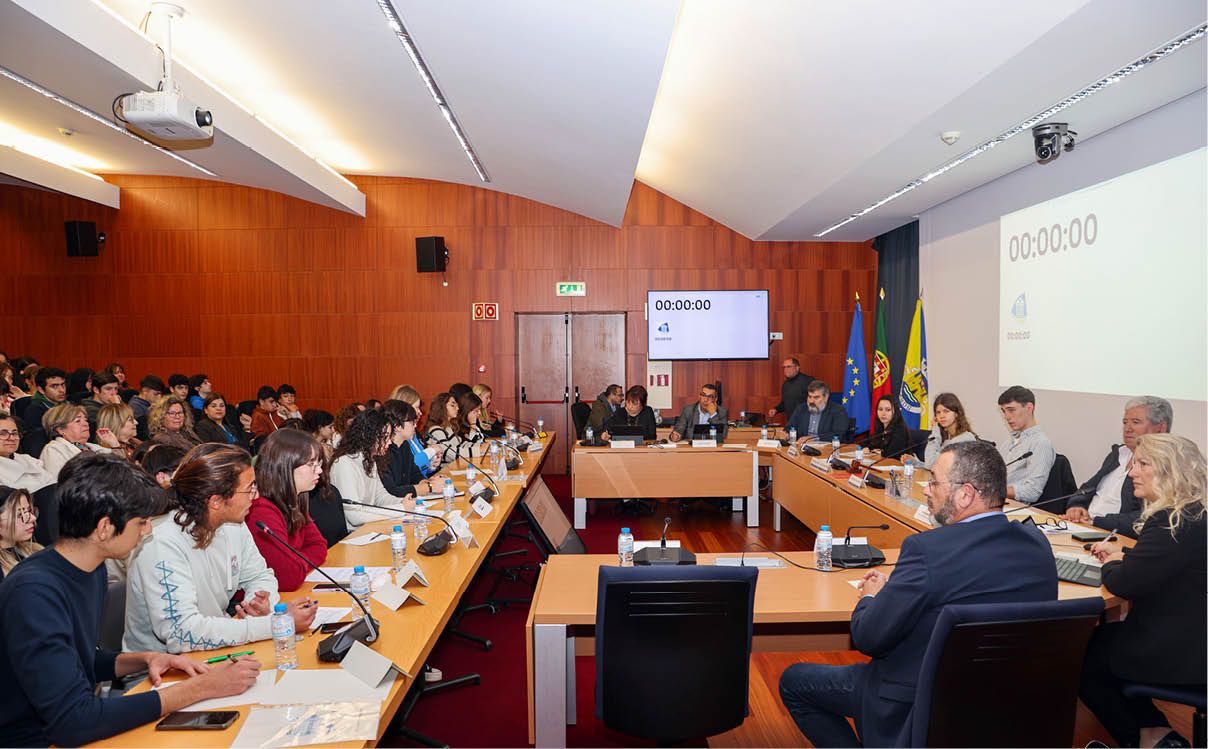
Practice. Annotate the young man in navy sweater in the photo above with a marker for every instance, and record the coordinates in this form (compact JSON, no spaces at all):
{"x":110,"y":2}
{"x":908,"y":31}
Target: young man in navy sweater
{"x":52,"y":602}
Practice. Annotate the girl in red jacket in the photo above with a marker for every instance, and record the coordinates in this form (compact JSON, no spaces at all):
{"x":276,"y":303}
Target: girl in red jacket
{"x":287,"y":469}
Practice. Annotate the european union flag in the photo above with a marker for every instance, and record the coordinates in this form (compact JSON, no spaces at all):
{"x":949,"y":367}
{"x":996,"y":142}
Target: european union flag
{"x":856,"y":391}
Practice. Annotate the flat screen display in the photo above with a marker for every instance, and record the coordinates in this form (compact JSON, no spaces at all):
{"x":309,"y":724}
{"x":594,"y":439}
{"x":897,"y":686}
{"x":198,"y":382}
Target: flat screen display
{"x":707,"y":324}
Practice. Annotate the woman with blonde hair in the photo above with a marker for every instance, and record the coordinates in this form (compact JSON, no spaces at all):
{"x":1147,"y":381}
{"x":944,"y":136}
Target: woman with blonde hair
{"x":1165,"y":579}
{"x":489,"y":427}
{"x":951,"y":425}
{"x":67,"y":429}
{"x":115,"y":428}
{"x":18,"y":516}
{"x":170,"y":422}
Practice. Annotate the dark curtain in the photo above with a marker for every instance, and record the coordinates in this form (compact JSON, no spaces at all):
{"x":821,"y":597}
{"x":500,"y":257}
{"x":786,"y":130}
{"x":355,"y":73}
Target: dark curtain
{"x":898,"y":275}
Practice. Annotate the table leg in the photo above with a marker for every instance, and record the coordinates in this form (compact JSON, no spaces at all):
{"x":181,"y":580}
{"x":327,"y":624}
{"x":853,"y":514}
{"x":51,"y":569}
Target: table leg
{"x":549,"y":684}
{"x":736,"y":503}
{"x":776,"y":517}
{"x":580,"y":513}
{"x":571,"y":704}
{"x":753,"y":499}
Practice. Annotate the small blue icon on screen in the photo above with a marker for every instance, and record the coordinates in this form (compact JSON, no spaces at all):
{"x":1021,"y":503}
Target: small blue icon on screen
{"x":664,"y":328}
{"x":1019,"y":308}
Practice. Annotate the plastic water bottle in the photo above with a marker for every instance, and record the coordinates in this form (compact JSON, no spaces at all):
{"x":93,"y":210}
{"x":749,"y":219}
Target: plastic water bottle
{"x":359,"y":585}
{"x":763,"y":432}
{"x":857,"y":464}
{"x":742,"y":417}
{"x":713,"y":433}
{"x":589,"y":435}
{"x":792,"y":434}
{"x":471,"y":475}
{"x":421,"y":522}
{"x":448,"y":493}
{"x":625,"y":548}
{"x":822,"y":549}
{"x":908,"y":470}
{"x":285,"y":651}
{"x":501,"y":463}
{"x":398,"y":548}
{"x":540,"y":424}
{"x":835,"y":446}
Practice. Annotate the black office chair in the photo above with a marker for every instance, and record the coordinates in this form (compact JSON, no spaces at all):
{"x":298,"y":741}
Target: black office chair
{"x":33,"y":440}
{"x":1060,"y":483}
{"x":673,"y":650}
{"x":18,"y":408}
{"x":1032,"y":649}
{"x":1191,"y":696}
{"x":579,"y":412}
{"x":918,"y":437}
{"x":46,"y":499}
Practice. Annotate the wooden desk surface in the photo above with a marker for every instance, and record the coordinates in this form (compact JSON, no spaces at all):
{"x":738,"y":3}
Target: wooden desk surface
{"x":407,"y":635}
{"x":643,"y":471}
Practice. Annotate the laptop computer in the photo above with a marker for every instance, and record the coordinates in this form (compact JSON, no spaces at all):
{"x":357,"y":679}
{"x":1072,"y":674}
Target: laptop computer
{"x":701,"y":431}
{"x":627,"y":433}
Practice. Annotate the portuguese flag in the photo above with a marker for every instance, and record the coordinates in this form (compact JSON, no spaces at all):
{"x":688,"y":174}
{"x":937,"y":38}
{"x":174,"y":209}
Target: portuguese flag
{"x":880,"y":365}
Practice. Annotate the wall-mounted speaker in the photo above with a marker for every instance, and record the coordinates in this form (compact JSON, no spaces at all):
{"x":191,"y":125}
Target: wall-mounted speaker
{"x":82,"y":239}
{"x":431,"y":255}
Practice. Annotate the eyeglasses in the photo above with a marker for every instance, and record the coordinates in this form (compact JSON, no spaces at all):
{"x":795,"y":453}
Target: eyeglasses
{"x":175,"y":414}
{"x":6,"y":434}
{"x":27,"y":514}
{"x":251,"y":489}
{"x":1053,"y":524}
{"x":708,"y":396}
{"x":315,"y":465}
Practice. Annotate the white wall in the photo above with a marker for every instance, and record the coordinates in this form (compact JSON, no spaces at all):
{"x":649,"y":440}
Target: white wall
{"x":958,"y":273}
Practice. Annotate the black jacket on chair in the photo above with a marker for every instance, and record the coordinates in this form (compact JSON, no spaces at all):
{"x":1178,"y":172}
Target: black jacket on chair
{"x":1130,"y":506}
{"x":1165,"y":579}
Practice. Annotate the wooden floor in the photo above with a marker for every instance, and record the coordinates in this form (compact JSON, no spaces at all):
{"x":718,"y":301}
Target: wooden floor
{"x":703,"y":527}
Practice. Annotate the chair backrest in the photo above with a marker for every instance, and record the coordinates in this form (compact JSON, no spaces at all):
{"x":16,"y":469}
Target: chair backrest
{"x":1012,"y":655}
{"x":1060,"y":483}
{"x":579,"y":411}
{"x":113,"y":617}
{"x":673,"y":649}
{"x":18,"y":407}
{"x":32,"y":442}
{"x":918,"y":438}
{"x":46,"y":499}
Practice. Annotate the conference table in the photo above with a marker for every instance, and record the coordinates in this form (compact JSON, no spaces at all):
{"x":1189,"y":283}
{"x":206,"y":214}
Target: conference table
{"x":407,"y":635}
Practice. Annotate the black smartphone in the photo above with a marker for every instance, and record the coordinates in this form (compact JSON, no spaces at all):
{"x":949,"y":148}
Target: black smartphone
{"x":192,"y":720}
{"x":320,"y":587}
{"x":1089,"y":536}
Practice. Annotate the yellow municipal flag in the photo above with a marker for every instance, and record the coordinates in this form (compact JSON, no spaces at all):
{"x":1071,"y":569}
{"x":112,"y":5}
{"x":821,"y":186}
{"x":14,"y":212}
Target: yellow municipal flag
{"x":913,"y":395}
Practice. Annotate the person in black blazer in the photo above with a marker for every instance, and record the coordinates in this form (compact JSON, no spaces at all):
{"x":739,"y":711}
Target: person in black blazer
{"x":1164,"y":578}
{"x":889,"y":433}
{"x":976,"y":556}
{"x":402,"y":477}
{"x":1107,"y":499}
{"x":634,"y":412}
{"x":832,"y":419}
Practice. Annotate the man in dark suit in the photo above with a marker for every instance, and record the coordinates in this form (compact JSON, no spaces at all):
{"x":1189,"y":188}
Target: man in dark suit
{"x":704,"y":411}
{"x":792,"y":390}
{"x":817,"y":418}
{"x":1107,"y":498}
{"x":976,"y":556}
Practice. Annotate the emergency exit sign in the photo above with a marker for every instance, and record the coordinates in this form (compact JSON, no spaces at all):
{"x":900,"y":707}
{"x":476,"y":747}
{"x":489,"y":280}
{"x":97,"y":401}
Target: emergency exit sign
{"x":572,"y":288}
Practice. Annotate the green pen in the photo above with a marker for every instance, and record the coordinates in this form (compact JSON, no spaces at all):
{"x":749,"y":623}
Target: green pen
{"x":232,"y":656}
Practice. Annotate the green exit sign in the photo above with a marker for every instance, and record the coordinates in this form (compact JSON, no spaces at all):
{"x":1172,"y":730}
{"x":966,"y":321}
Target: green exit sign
{"x":572,"y":288}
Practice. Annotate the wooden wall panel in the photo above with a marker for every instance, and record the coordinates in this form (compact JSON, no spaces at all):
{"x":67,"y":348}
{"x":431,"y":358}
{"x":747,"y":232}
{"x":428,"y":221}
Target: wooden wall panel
{"x":255,"y":287}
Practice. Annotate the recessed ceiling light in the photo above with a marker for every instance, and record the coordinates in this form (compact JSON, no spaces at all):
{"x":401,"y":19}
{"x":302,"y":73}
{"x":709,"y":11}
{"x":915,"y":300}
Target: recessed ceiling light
{"x":1155,"y":55}
{"x":399,"y":30}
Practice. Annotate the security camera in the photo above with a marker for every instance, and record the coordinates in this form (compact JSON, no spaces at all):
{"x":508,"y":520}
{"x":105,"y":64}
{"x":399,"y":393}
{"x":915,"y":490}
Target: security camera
{"x":1051,"y":138}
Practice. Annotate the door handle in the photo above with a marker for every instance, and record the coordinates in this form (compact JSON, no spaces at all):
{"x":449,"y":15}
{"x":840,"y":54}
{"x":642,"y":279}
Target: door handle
{"x":576,"y":394}
{"x":523,"y":396}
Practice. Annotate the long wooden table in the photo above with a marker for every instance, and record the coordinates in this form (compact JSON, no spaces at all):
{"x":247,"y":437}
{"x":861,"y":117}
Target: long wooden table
{"x":407,"y":636}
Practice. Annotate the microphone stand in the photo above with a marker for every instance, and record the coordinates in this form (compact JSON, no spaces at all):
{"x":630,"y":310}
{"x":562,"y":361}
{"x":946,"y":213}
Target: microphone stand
{"x":519,"y":457}
{"x":489,"y":493}
{"x":846,"y":558}
{"x":333,"y":649}
{"x":662,"y":555}
{"x":875,"y":481}
{"x":435,"y":544}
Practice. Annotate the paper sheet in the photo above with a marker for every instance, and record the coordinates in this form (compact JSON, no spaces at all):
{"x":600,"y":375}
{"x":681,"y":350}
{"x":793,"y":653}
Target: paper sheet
{"x":855,"y":583}
{"x":1087,"y":559}
{"x":327,"y":614}
{"x":302,"y":725}
{"x":342,"y":574}
{"x":305,"y":686}
{"x":366,"y":539}
{"x":253,"y":696}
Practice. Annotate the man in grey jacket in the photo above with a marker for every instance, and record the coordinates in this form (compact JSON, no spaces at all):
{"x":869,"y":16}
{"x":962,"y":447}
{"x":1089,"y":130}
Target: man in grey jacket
{"x":704,"y":411}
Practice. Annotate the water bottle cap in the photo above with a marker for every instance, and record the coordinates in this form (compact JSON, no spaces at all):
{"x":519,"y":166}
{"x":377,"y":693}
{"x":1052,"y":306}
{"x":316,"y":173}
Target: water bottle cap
{"x":419,"y":503}
{"x":359,"y":569}
{"x":448,"y":480}
{"x":280,"y":608}
{"x":624,"y":530}
{"x":825,"y":528}
{"x":398,"y":528}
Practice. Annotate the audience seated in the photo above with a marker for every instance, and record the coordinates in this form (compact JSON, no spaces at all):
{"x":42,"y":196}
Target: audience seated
{"x":265,"y":419}
{"x":320,"y":425}
{"x":199,"y":389}
{"x":184,"y":578}
{"x":442,"y":424}
{"x":634,"y":413}
{"x":468,"y":441}
{"x":357,"y":465}
{"x":79,"y":385}
{"x":52,"y":390}
{"x":9,"y":374}
{"x":288,"y":468}
{"x":287,"y":403}
{"x":213,"y":427}
{"x":1161,"y":641}
{"x":178,"y":385}
{"x":161,"y":461}
{"x":117,"y":372}
{"x":52,"y":605}
{"x":170,"y":422}
{"x":150,"y":389}
{"x":1026,"y":477}
{"x":1107,"y":499}
{"x":951,"y":425}
{"x":403,"y":476}
{"x":340,"y":423}
{"x":18,"y":516}
{"x":604,"y":406}
{"x":17,"y":470}
{"x":7,"y":396}
{"x":888,"y":434}
{"x":489,"y":428}
{"x":103,"y":391}
{"x":459,"y":389}
{"x":817,"y":418}
{"x":67,"y":429}
{"x":704,"y":411}
{"x":115,"y":429}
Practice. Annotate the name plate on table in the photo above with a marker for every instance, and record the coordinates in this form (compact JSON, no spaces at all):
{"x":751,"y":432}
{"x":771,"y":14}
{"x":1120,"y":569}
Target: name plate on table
{"x":482,"y":507}
{"x":923,"y":515}
{"x":820,"y":464}
{"x":392,"y":596}
{"x":774,"y":444}
{"x":856,"y":481}
{"x":622,"y":444}
{"x":409,"y":572}
{"x":704,"y":443}
{"x":535,"y":447}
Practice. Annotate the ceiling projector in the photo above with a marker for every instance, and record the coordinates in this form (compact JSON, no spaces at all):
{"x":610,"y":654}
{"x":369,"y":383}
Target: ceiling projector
{"x":167,"y":116}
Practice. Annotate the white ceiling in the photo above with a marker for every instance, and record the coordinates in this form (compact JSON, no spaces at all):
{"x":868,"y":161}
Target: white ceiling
{"x":776,"y":118}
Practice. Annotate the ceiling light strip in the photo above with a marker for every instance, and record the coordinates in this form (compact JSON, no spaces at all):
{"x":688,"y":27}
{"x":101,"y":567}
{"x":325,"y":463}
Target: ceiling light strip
{"x":396,"y":26}
{"x":96,"y":117}
{"x":1157,"y":54}
{"x":59,"y":164}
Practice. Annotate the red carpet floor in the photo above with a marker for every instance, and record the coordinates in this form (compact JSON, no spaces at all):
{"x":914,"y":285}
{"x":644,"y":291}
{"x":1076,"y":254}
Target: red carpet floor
{"x":496,"y":712}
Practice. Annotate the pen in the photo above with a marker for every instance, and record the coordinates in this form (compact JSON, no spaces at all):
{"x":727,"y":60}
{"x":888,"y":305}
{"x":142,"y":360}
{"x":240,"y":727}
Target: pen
{"x":232,"y":656}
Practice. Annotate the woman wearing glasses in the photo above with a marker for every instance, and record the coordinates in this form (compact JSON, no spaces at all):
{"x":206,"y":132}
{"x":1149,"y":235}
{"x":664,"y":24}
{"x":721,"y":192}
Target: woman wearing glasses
{"x":17,"y":470}
{"x":1164,"y":579}
{"x":184,"y":578}
{"x":288,"y":468}
{"x":170,"y":422}
{"x":67,"y":427}
{"x":18,"y":516}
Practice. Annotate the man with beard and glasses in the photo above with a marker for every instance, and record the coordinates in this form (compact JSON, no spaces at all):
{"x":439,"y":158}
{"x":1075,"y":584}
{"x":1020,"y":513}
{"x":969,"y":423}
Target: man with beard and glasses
{"x":817,"y":419}
{"x":975,"y":556}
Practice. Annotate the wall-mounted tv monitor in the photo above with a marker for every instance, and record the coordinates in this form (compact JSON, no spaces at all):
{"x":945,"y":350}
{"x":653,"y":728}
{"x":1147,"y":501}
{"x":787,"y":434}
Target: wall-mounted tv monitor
{"x":707,"y":324}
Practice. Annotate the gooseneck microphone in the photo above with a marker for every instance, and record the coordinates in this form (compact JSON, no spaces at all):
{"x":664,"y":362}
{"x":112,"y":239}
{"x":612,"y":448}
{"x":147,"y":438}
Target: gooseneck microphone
{"x":1025,"y":456}
{"x":333,"y":649}
{"x":875,"y":481}
{"x":485,"y":494}
{"x":864,"y":555}
{"x":532,"y":429}
{"x":662,"y":555}
{"x":512,"y":465}
{"x":1044,"y":502}
{"x":435,"y":544}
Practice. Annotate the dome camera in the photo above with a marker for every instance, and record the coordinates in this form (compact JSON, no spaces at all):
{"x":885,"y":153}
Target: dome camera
{"x":1050,"y":139}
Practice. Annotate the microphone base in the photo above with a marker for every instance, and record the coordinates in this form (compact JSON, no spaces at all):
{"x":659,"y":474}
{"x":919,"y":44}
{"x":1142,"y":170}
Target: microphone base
{"x":854,"y":557}
{"x":594,"y":442}
{"x":656,"y":555}
{"x":875,"y":482}
{"x":434,"y":545}
{"x":333,"y":649}
{"x":811,"y":451}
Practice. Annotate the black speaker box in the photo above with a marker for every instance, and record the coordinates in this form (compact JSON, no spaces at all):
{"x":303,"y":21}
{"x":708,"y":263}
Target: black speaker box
{"x":81,"y":238}
{"x":431,"y":255}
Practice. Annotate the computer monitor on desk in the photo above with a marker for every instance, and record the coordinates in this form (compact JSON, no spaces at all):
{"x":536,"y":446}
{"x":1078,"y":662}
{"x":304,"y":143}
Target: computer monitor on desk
{"x":701,"y":431}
